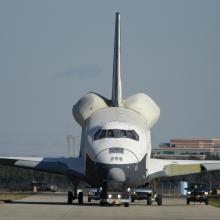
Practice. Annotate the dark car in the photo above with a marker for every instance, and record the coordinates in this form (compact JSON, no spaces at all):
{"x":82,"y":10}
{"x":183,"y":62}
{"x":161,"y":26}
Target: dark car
{"x":197,"y":192}
{"x":93,"y":194}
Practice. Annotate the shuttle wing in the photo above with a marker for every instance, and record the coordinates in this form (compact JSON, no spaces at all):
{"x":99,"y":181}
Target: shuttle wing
{"x":60,"y":165}
{"x":165,"y":168}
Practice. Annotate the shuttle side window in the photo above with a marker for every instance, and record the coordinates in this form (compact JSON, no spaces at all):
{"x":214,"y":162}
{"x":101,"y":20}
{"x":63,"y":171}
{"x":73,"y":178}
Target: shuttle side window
{"x":96,"y":136}
{"x":136,"y":136}
{"x":133,"y":135}
{"x":100,"y":134}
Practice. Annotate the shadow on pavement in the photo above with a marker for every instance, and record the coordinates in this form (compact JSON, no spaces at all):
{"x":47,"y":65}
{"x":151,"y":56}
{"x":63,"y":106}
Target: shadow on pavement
{"x":50,"y":203}
{"x":93,"y":204}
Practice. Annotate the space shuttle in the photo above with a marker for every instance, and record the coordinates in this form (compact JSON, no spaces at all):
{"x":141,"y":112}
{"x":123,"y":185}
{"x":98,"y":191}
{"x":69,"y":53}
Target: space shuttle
{"x":116,"y":131}
{"x":115,"y":150}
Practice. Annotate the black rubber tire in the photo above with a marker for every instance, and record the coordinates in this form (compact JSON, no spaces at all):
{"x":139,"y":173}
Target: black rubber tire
{"x":187,"y":201}
{"x":126,"y":204}
{"x":89,"y":199}
{"x":149,"y":200}
{"x":70,"y":197}
{"x":159,"y":199}
{"x":80,"y":198}
{"x":206,"y":202}
{"x":132,"y":200}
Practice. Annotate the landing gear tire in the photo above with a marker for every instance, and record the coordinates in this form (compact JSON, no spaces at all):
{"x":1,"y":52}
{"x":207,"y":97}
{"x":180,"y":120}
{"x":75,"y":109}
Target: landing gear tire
{"x":149,"y":200}
{"x":101,"y":203}
{"x":89,"y":199}
{"x":132,"y":200}
{"x":206,"y":202}
{"x":159,"y":199}
{"x":70,"y":197}
{"x":80,"y":198}
{"x":126,"y":204}
{"x":187,"y":201}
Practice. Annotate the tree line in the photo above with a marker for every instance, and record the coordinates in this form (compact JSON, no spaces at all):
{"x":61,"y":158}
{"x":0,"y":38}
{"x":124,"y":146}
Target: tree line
{"x":20,"y":179}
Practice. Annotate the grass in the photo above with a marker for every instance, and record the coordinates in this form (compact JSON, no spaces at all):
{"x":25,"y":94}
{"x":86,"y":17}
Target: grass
{"x":215,"y":202}
{"x":8,"y":197}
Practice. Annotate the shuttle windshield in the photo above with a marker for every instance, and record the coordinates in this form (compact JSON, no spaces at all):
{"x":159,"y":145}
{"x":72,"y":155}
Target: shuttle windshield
{"x":116,"y":133}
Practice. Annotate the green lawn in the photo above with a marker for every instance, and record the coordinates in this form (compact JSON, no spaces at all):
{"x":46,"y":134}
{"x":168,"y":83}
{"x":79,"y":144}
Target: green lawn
{"x":215,"y":202}
{"x":4,"y":197}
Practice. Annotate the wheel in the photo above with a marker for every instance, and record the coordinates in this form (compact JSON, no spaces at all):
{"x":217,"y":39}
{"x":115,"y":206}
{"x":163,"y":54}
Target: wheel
{"x":89,"y":199}
{"x":159,"y":199}
{"x":126,"y":204}
{"x":149,"y":199}
{"x":101,"y":203}
{"x":80,"y":198}
{"x":132,"y":200}
{"x":187,"y":201}
{"x":70,"y":197}
{"x":206,"y":202}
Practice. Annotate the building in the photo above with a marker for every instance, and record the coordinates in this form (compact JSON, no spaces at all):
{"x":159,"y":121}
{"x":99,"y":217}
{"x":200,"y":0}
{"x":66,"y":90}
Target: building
{"x":200,"y":149}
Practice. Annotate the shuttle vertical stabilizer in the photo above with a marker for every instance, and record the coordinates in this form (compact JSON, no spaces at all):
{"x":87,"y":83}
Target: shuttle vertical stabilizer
{"x":116,"y":80}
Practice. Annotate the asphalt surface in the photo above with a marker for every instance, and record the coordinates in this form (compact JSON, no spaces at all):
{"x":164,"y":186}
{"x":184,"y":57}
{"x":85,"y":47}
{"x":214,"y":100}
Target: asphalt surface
{"x":53,"y":207}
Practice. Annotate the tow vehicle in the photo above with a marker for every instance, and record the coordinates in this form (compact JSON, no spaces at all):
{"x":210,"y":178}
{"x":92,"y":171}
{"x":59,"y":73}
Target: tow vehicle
{"x":115,"y":198}
{"x":115,"y":195}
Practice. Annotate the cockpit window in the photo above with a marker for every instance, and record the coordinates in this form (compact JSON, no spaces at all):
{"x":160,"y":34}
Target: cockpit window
{"x":122,"y":133}
{"x":116,"y":133}
{"x":102,"y":134}
{"x":110,"y":133}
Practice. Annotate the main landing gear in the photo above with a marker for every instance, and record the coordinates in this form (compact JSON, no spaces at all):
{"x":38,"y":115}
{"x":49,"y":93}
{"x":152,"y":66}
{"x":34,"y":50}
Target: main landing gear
{"x":158,"y":199}
{"x":75,"y":195}
{"x":70,"y":197}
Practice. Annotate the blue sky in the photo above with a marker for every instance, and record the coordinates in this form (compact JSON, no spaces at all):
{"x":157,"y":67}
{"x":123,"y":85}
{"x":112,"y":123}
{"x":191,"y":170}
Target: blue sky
{"x":53,"y":52}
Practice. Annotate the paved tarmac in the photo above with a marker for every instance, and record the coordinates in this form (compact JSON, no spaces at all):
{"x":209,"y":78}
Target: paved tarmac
{"x":54,"y":207}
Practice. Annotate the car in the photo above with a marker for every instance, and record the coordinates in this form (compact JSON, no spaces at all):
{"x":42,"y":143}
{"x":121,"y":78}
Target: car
{"x":93,"y":194}
{"x":44,"y":186}
{"x":197,"y":192}
{"x":145,"y":192}
{"x":142,"y":194}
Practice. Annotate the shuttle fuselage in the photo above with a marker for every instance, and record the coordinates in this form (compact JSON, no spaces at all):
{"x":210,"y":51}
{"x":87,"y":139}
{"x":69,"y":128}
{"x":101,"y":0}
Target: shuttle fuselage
{"x":116,"y":144}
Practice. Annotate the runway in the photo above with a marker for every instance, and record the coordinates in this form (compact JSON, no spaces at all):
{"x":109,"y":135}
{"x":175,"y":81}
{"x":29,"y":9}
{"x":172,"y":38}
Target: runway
{"x":54,"y":207}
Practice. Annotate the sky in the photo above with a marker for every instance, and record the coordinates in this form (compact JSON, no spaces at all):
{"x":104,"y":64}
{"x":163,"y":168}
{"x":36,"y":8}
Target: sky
{"x":54,"y":52}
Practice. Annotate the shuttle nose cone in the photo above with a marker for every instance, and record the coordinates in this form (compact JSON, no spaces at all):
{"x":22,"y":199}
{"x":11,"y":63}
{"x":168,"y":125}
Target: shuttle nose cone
{"x":116,"y":174}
